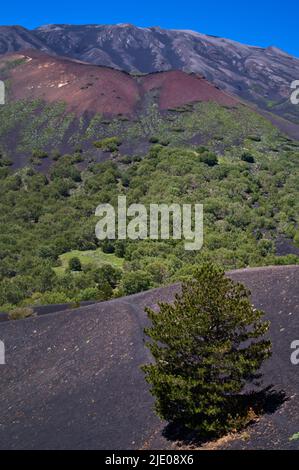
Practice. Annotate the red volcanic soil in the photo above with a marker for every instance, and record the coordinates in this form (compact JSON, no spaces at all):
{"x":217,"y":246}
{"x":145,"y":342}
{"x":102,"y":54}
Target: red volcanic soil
{"x":178,"y":88}
{"x":97,"y":89}
{"x":82,"y":87}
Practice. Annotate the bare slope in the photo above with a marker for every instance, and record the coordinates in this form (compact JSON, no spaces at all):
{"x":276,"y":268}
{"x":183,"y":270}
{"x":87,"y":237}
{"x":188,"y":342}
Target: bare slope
{"x":103,"y":90}
{"x":72,"y":379}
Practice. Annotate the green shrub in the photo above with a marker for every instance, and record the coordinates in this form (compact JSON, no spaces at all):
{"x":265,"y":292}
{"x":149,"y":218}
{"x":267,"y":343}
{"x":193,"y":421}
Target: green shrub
{"x":206,"y":346}
{"x":39,"y":154}
{"x":137,"y":281}
{"x":164,"y":142}
{"x":108,"y":246}
{"x":155,"y":150}
{"x":202,"y":149}
{"x":90,"y":293}
{"x":75,"y":264}
{"x":209,"y":158}
{"x":153,"y":140}
{"x":247,"y":157}
{"x":109,"y":144}
{"x":178,"y":129}
{"x":20,"y":313}
{"x":120,"y":248}
{"x":4,"y":162}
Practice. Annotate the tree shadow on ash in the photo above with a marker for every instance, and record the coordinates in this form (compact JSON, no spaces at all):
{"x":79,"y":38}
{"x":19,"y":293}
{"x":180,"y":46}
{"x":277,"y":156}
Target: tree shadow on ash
{"x":250,"y":407}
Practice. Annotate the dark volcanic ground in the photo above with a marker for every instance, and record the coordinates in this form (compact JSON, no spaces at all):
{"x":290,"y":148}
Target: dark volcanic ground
{"x":72,"y":379}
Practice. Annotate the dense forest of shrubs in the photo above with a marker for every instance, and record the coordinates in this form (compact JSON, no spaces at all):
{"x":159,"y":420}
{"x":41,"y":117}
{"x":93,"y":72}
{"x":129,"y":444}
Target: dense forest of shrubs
{"x":250,"y":198}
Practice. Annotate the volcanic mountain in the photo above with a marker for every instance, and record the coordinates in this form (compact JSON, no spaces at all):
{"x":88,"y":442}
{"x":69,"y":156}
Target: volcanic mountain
{"x":262,"y":76}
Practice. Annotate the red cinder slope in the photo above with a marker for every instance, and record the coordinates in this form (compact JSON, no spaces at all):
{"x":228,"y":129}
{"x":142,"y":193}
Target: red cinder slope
{"x":97,"y":89}
{"x":178,"y":88}
{"x":81,"y":86}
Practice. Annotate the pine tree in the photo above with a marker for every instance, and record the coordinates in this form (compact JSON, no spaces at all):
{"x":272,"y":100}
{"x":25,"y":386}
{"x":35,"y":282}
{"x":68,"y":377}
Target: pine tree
{"x":206,"y":346}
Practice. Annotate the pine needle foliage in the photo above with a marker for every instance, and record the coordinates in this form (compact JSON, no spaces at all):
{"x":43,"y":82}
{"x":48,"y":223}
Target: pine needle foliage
{"x":206,"y":346}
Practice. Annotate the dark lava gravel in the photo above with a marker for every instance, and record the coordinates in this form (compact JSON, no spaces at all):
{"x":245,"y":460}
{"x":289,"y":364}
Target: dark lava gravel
{"x":72,"y":379}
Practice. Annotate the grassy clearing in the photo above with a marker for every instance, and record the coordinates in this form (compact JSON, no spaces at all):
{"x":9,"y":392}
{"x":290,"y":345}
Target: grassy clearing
{"x":95,"y":257}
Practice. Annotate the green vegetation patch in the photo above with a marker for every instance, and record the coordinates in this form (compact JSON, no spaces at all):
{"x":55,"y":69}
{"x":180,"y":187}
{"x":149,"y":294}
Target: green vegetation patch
{"x":248,"y":186}
{"x":93,"y":257}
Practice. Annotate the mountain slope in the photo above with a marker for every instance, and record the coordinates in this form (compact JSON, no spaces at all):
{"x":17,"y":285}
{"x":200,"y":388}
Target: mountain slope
{"x":262,"y":76}
{"x":177,"y":139}
{"x":57,"y":103}
{"x":15,"y":38}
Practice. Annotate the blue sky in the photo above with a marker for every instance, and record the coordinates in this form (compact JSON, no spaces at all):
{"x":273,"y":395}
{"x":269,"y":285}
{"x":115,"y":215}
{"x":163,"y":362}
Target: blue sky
{"x":256,"y":22}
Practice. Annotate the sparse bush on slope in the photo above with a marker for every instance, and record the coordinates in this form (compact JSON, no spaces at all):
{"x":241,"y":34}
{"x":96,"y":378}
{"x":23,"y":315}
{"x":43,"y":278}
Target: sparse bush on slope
{"x":109,"y":144}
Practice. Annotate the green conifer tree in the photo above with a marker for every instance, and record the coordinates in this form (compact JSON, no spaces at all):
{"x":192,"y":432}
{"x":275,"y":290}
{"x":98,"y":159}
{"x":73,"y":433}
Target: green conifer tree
{"x":206,"y":346}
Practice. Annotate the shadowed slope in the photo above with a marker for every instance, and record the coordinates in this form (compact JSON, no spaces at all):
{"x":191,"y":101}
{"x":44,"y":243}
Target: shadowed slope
{"x":72,"y":379}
